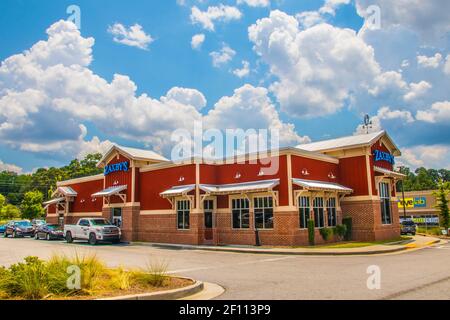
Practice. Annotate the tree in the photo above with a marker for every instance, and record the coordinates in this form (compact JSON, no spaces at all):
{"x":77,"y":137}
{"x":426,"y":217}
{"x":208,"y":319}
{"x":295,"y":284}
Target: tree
{"x":32,"y":205}
{"x":9,"y":212}
{"x":2,"y":201}
{"x":442,"y":203}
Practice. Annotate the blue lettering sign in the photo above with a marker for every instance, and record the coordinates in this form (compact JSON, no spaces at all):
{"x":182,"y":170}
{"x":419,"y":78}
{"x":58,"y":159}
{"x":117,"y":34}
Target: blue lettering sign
{"x":383,"y":156}
{"x":122,"y":166}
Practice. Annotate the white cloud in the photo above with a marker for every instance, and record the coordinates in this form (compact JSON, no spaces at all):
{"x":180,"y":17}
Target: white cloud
{"x":255,"y":3}
{"x":438,"y":113}
{"x":186,"y":96}
{"x":429,"y":62}
{"x":417,"y":90}
{"x":244,"y":71}
{"x":319,"y":69}
{"x":10,"y":167}
{"x":133,"y":36}
{"x":330,"y":6}
{"x":250,"y":108}
{"x":307,"y":19}
{"x":428,"y":156}
{"x":223,"y":56}
{"x":214,"y":13}
{"x":197,"y":41}
{"x":429,"y":19}
{"x":447,"y":65}
{"x":385,"y":113}
{"x":43,"y":106}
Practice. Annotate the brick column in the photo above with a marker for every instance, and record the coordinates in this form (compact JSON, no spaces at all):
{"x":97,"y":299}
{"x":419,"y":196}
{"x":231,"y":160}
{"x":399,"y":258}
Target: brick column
{"x":130,"y":223}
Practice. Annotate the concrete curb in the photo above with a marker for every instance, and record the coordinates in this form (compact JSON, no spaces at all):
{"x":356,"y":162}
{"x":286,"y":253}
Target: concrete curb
{"x":277,"y":252}
{"x":164,"y":295}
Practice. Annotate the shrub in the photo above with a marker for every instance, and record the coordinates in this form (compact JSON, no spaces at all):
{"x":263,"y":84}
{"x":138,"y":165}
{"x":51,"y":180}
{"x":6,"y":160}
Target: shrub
{"x":28,"y":280}
{"x":155,"y":274}
{"x":92,"y":271}
{"x":326,"y":233}
{"x":340,"y":230}
{"x":347,"y":221}
{"x":57,"y":275}
{"x":311,"y":232}
{"x":121,"y":279}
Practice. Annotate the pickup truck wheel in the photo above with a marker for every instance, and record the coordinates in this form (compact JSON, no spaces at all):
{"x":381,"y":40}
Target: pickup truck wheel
{"x":69,"y":238}
{"x":92,"y":239}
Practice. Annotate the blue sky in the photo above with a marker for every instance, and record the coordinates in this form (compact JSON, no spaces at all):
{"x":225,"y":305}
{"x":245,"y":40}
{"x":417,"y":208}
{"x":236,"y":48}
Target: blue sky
{"x":313,"y":71}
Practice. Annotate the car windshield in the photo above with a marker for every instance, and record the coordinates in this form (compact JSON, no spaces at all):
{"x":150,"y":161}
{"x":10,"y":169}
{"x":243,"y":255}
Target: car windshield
{"x":23,"y":224}
{"x":408,"y":223}
{"x":39,"y":222}
{"x":54,"y":226}
{"x":100,"y":222}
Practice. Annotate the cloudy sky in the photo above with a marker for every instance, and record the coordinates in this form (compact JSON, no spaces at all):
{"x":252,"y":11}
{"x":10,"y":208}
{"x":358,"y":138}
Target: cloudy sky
{"x":137,"y":70}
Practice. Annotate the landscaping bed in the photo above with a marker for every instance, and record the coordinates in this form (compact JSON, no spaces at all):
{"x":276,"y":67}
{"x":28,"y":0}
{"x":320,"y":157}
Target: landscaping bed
{"x":81,"y":278}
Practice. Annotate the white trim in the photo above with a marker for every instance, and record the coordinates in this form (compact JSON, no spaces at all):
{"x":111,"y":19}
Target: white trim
{"x":80,"y":180}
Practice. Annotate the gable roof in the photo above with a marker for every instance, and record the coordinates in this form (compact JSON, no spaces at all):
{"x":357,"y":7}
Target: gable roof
{"x":134,"y":154}
{"x":348,"y":142}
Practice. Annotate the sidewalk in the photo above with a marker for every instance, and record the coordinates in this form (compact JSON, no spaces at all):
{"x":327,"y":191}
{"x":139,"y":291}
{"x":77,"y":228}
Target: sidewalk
{"x":416,"y":243}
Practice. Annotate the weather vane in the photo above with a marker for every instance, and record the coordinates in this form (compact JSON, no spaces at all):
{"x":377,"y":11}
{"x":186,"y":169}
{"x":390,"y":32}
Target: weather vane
{"x":367,"y":123}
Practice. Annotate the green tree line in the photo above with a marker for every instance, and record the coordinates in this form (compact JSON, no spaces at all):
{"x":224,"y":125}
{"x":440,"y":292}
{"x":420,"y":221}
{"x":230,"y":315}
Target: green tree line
{"x":423,"y":179}
{"x":21,"y":195}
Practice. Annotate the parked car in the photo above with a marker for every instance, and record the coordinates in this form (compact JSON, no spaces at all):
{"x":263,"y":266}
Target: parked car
{"x":49,"y":232}
{"x":3,"y":228}
{"x":37,"y":222}
{"x":93,"y":230}
{"x":22,"y":228}
{"x":408,"y":226}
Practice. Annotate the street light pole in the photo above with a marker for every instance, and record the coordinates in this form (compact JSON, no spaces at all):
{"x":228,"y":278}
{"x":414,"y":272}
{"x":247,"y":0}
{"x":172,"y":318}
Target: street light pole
{"x":404,"y":204}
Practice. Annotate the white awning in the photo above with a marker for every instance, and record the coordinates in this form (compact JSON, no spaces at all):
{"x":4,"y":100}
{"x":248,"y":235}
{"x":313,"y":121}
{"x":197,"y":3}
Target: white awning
{"x":321,"y":186}
{"x":389,"y":173}
{"x":246,"y":187}
{"x":67,"y":191}
{"x":177,"y":191}
{"x":109,"y":191}
{"x":54,"y":201}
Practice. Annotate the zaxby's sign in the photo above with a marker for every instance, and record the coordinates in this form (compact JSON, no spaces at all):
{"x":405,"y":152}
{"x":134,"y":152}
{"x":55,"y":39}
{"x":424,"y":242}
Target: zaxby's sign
{"x":383,"y":156}
{"x":122,"y":166}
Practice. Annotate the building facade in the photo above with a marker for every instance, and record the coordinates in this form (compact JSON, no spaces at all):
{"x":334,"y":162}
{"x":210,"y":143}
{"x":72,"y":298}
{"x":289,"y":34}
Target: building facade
{"x":226,"y":202}
{"x":419,"y":206}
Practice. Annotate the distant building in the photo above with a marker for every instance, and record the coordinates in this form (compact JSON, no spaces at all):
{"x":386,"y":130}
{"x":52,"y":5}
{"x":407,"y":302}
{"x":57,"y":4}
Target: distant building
{"x":420,"y":206}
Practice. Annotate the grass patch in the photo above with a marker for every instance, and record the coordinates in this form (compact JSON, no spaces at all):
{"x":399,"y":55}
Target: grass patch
{"x":80,"y":277}
{"x":433,"y":231}
{"x":357,"y":244}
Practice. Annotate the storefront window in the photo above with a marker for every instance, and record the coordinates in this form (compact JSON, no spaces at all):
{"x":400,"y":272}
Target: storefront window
{"x":385,"y":203}
{"x":303,"y":204}
{"x":331,"y":210}
{"x":241,"y":213}
{"x":318,"y":212}
{"x":263,"y":212}
{"x":116,"y":217}
{"x":183,"y":210}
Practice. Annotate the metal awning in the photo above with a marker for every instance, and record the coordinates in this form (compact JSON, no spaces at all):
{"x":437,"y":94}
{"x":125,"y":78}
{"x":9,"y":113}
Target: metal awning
{"x":177,"y":191}
{"x":236,"y":188}
{"x":54,"y":201}
{"x":67,"y":191}
{"x":389,"y":173}
{"x":321,"y":186}
{"x":108,"y":192}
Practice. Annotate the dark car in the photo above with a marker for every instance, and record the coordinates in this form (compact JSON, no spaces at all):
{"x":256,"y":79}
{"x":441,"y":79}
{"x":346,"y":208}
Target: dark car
{"x":408,"y":226}
{"x":19,"y":229}
{"x":49,"y":232}
{"x":3,"y":228}
{"x":37,"y":223}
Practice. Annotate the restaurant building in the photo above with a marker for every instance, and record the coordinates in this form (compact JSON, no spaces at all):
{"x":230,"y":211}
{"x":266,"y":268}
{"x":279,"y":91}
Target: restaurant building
{"x":225,"y":202}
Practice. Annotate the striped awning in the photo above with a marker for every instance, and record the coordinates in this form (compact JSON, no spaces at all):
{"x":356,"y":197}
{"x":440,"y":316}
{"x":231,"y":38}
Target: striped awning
{"x":109,"y":191}
{"x":177,"y":191}
{"x":237,"y":188}
{"x":321,"y":186}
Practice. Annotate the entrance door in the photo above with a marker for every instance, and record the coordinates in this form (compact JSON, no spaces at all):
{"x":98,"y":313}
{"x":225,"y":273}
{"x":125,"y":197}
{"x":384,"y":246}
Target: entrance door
{"x":208,"y":207}
{"x":116,"y":217}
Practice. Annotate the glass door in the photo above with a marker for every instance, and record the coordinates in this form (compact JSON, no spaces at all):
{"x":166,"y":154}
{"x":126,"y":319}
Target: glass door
{"x":116,"y":217}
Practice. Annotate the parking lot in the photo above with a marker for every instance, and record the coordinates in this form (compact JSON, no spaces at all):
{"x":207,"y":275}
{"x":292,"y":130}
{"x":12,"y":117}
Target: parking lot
{"x":422,"y":274}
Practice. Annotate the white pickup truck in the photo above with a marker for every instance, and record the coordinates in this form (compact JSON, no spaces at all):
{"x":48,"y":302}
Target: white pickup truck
{"x":93,"y":230}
